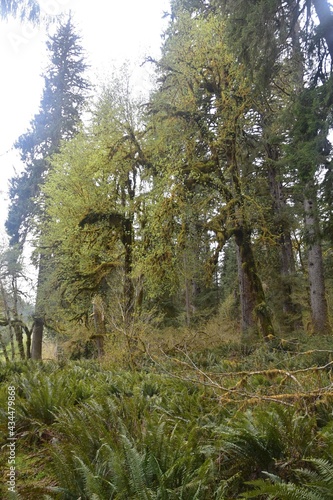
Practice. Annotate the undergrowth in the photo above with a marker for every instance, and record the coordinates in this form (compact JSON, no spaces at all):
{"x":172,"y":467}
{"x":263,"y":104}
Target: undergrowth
{"x":211,"y":424}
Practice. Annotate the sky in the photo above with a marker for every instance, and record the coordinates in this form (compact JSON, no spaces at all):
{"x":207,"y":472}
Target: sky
{"x":112,"y":32}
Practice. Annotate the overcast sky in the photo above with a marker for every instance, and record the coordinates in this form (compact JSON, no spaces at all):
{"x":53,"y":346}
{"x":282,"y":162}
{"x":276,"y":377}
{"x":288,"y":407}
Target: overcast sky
{"x":112,"y":32}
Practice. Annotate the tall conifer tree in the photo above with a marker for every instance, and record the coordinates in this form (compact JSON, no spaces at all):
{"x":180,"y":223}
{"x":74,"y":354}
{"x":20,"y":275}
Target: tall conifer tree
{"x":58,"y":119}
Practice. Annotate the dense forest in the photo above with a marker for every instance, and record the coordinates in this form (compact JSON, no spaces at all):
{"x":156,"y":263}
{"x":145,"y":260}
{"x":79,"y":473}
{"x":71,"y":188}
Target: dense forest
{"x":183,"y":246}
{"x":215,"y":192}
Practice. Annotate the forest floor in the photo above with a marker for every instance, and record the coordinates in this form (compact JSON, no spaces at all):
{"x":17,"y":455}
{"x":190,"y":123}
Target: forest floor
{"x":177,"y":424}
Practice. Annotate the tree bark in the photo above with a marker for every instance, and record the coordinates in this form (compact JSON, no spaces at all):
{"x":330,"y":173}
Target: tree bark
{"x":17,"y":323}
{"x":290,"y":312}
{"x":319,"y":309}
{"x":8,"y":319}
{"x":99,"y":325}
{"x":247,"y":300}
{"x":252,"y":296}
{"x":4,"y":349}
{"x":38,"y":326}
{"x":187,"y":291}
{"x":37,"y":338}
{"x":28,"y":346}
{"x":129,"y":292}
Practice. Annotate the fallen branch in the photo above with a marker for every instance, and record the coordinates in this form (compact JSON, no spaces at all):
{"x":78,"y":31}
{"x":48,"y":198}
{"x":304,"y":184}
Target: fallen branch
{"x":237,"y":394}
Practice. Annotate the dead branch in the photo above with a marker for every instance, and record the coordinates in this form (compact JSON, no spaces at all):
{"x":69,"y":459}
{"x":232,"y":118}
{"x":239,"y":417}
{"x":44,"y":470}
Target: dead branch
{"x":237,"y":394}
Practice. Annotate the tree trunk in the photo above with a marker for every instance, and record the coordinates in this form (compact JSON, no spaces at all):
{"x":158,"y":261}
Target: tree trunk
{"x":28,"y":346}
{"x":37,"y":338}
{"x":319,"y":309}
{"x":129,"y":292}
{"x":17,"y":323}
{"x":8,"y":319}
{"x":252,"y":296}
{"x":247,"y":301}
{"x":4,"y":349}
{"x":99,"y":324}
{"x":188,"y":288}
{"x":38,"y":326}
{"x":290,"y":312}
{"x":191,"y":287}
{"x":19,"y":338}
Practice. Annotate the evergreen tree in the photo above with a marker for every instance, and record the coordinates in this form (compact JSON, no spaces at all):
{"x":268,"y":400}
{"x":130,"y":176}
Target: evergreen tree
{"x":267,"y":37}
{"x":24,"y":9}
{"x":58,"y":119}
{"x":61,"y":106}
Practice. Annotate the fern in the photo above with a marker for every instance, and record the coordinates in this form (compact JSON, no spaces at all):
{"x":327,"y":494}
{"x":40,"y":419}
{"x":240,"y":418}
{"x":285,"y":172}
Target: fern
{"x":146,"y":436}
{"x":70,"y":483}
{"x":95,"y":485}
{"x":280,"y":491}
{"x":265,"y":439}
{"x":134,"y":462}
{"x":320,"y":479}
{"x":39,"y":397}
{"x":313,"y":484}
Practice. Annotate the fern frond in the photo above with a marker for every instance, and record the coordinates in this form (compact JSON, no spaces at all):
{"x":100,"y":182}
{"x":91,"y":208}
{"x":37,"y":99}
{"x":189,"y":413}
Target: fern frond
{"x":134,"y":464}
{"x":279,"y":491}
{"x":325,"y":470}
{"x":95,"y":485}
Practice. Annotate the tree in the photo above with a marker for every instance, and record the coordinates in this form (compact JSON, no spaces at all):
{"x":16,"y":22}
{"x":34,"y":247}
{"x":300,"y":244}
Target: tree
{"x":265,"y":36}
{"x":270,"y":36}
{"x":58,"y":119}
{"x":207,"y":97}
{"x":93,"y":212}
{"x":34,"y":11}
{"x":310,"y":149}
{"x":23,"y":9}
{"x":11,"y":272}
{"x":274,"y":46}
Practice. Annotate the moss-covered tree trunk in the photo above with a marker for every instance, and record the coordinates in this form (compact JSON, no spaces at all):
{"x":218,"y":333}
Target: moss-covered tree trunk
{"x":4,"y":348}
{"x":8,"y":319}
{"x":99,"y":325}
{"x":28,"y":345}
{"x":252,"y":295}
{"x":129,"y":292}
{"x":247,"y":300}
{"x":37,"y":338}
{"x":18,"y":327}
{"x":39,"y":315}
{"x":254,"y":308}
